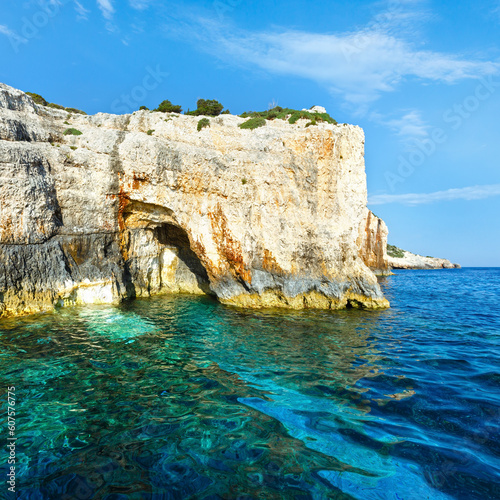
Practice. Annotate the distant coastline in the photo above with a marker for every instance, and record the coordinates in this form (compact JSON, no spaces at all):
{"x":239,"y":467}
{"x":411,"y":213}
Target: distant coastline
{"x":402,"y":259}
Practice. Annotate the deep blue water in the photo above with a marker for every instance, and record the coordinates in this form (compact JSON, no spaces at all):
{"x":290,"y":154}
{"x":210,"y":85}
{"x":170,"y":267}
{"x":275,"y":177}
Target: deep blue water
{"x":181,"y":397}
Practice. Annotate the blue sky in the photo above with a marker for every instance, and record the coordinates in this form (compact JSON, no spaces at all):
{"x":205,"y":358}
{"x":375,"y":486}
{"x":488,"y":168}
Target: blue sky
{"x":421,"y":77}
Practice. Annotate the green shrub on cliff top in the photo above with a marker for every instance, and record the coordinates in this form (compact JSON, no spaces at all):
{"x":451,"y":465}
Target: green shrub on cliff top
{"x":206,"y":107}
{"x":54,"y":105}
{"x":271,"y":114}
{"x":74,"y":110}
{"x":167,"y":107}
{"x":313,"y":117}
{"x":37,"y":98}
{"x":40,"y":100}
{"x":292,"y":115}
{"x":253,"y":123}
{"x":393,"y":251}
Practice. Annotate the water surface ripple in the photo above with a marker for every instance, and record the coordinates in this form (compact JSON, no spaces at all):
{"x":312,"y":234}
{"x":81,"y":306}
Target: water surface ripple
{"x":180,"y":397}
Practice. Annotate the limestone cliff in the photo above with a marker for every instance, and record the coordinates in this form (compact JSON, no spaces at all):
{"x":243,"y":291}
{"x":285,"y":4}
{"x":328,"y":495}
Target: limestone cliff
{"x":145,"y":204}
{"x":372,"y":243}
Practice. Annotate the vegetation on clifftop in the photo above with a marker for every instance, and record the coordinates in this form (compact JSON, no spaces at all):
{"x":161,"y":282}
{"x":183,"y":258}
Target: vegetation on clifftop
{"x":395,"y":252}
{"x":40,"y":100}
{"x":167,"y":107}
{"x":37,"y":98}
{"x":74,"y":110}
{"x":292,"y":115}
{"x":253,"y":123}
{"x":206,"y":108}
{"x":55,"y":106}
{"x":212,"y":107}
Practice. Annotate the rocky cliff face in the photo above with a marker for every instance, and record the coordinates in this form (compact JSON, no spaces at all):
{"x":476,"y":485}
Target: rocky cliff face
{"x":145,"y":204}
{"x":372,"y":243}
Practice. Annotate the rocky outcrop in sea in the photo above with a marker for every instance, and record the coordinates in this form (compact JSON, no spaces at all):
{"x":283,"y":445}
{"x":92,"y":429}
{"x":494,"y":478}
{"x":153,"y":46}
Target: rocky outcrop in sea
{"x":97,"y":209}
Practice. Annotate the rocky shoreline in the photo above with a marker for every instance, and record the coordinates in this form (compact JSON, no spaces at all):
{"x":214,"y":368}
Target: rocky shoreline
{"x":414,"y":261}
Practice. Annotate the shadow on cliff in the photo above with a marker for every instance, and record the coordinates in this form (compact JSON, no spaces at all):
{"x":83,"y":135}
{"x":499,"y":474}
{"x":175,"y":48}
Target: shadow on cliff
{"x":170,"y":235}
{"x":160,"y":260}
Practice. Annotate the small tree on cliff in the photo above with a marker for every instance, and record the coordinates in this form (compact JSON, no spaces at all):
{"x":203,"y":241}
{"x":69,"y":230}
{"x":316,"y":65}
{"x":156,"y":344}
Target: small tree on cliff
{"x":167,"y":107}
{"x":207,"y":108}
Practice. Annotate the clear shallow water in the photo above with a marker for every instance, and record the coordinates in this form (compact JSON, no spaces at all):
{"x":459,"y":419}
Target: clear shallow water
{"x":180,"y":397}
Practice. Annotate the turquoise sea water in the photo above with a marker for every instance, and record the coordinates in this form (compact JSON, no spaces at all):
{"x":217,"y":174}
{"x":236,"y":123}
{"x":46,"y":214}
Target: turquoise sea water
{"x":180,"y":397}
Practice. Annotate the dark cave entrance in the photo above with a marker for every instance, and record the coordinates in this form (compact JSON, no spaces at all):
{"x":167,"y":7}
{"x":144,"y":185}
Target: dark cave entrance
{"x":189,"y":266}
{"x":158,"y":254}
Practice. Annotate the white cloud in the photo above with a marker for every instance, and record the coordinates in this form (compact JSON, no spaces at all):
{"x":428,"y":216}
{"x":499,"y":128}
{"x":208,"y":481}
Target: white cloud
{"x":81,"y":11}
{"x":359,"y":65}
{"x":360,"y":76}
{"x":5,"y":30}
{"x":106,"y":7}
{"x":409,"y":126}
{"x":467,"y":193}
{"x":140,"y":4}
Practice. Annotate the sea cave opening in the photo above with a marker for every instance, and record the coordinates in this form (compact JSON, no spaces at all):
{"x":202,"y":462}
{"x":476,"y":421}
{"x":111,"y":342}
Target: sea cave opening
{"x":159,"y":258}
{"x":188,"y":266}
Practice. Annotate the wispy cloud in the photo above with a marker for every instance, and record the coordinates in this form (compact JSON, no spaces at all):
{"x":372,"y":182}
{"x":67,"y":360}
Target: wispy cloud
{"x":5,"y":30}
{"x":140,"y":4}
{"x":410,"y":125}
{"x":360,"y":65}
{"x":496,"y":10}
{"x":83,"y":13}
{"x":137,"y":28}
{"x":106,"y":7}
{"x":467,"y":193}
{"x":381,"y":67}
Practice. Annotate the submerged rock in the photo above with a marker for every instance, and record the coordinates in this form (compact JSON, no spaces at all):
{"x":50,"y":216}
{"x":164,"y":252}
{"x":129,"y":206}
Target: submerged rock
{"x":144,"y":204}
